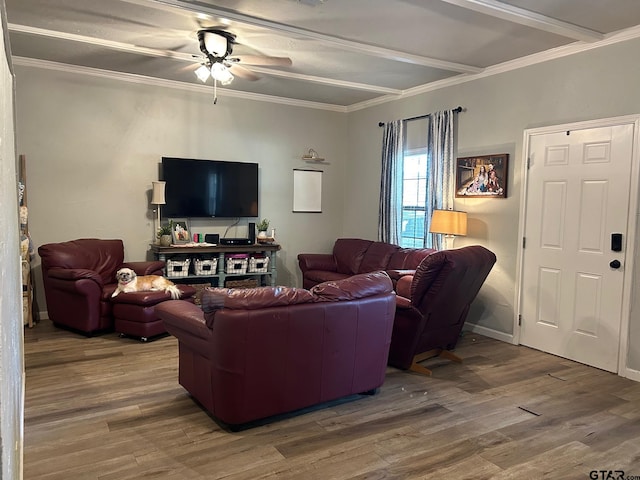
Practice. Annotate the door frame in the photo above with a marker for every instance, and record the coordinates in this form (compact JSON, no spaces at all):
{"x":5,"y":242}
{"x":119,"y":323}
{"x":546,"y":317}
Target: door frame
{"x":630,"y":244}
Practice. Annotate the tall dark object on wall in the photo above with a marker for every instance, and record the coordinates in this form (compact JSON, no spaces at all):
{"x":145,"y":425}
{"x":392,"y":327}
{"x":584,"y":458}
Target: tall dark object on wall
{"x":209,"y":188}
{"x":252,"y":232}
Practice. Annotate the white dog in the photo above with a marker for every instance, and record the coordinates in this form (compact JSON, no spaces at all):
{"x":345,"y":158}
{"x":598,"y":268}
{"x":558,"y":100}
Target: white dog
{"x":128,"y":282}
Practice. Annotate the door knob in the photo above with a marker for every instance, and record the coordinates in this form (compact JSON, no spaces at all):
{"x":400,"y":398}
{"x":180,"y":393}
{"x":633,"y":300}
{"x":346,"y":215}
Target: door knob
{"x":615,"y":264}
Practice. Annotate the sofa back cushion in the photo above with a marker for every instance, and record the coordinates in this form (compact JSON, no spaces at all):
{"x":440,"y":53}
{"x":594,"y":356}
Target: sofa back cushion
{"x":100,"y":256}
{"x":408,"y":258}
{"x":377,"y":257}
{"x":348,"y":253}
{"x":352,"y":288}
{"x":447,"y":281}
{"x":214,"y":299}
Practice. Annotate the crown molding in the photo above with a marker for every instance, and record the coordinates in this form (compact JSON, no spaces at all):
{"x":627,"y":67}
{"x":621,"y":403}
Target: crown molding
{"x":159,"y":82}
{"x":560,"y":52}
{"x":534,"y":59}
{"x":518,"y":15}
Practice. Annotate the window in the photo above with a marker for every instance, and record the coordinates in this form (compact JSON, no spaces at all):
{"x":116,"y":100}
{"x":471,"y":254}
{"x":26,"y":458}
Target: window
{"x":414,"y":188}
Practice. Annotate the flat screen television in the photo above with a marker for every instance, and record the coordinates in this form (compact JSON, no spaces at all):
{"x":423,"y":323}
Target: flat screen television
{"x":209,"y":188}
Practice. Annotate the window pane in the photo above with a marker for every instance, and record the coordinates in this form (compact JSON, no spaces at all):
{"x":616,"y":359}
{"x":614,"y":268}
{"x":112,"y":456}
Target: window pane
{"x":413,"y":200}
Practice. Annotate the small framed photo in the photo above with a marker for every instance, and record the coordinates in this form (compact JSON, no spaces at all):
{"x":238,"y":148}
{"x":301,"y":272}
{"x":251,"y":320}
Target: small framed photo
{"x":180,"y":231}
{"x":482,"y":176}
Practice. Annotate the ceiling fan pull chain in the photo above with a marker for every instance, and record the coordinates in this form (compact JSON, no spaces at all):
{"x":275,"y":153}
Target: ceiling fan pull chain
{"x":215,"y":91}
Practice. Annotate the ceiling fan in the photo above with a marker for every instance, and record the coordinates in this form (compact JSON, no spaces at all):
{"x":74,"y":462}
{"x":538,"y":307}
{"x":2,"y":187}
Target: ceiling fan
{"x":217,"y":46}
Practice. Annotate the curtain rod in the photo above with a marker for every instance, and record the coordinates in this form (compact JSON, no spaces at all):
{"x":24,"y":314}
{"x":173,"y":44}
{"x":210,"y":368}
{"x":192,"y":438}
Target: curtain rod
{"x":455,"y":110}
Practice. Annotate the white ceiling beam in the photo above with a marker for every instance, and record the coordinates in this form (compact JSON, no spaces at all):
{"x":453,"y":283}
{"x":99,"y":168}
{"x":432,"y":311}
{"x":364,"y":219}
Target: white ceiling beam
{"x":372,"y":50}
{"x":325,"y":81}
{"x":101,"y":42}
{"x":185,"y":57}
{"x":531,"y":19}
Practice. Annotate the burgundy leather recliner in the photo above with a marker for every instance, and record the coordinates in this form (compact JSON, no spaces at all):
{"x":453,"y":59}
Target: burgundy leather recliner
{"x":259,"y":352}
{"x":432,"y":305}
{"x":79,"y":277}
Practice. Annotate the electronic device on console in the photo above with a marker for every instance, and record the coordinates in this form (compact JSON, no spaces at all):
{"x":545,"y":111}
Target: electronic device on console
{"x":235,"y":241}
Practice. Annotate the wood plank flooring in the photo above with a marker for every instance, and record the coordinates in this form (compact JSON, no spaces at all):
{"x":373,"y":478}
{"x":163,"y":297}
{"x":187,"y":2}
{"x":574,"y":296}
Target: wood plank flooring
{"x":109,"y":408}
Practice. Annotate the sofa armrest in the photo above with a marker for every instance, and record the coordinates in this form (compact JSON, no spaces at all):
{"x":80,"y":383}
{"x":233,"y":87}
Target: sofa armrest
{"x":185,"y":321}
{"x":317,"y":261}
{"x":403,"y":302}
{"x":403,"y":286}
{"x":152,"y":267}
{"x":395,"y":275}
{"x":74,"y":274}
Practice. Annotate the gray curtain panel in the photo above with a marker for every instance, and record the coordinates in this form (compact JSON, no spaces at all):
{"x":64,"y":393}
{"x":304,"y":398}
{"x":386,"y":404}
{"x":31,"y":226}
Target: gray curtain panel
{"x":391,"y":183}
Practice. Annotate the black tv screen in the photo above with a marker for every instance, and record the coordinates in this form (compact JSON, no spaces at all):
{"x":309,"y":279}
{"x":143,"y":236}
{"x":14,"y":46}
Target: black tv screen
{"x":209,"y":188}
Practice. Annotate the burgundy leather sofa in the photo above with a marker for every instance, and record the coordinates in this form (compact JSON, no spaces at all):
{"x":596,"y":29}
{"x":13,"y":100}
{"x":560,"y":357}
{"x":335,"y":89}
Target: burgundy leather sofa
{"x":259,"y":352}
{"x":432,"y":305}
{"x":79,"y":277}
{"x":352,"y":256}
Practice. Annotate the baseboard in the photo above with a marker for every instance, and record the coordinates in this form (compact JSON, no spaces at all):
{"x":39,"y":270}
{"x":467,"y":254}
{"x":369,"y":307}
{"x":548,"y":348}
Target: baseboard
{"x":489,"y":332}
{"x":43,"y":315}
{"x":631,"y":374}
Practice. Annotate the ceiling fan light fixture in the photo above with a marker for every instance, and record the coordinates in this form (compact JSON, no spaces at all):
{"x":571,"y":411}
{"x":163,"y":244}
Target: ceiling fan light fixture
{"x":221,"y":73}
{"x":216,"y":44}
{"x":203,"y":73}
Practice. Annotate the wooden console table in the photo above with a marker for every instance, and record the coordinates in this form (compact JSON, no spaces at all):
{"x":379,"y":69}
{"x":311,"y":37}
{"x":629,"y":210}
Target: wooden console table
{"x":217,"y":279}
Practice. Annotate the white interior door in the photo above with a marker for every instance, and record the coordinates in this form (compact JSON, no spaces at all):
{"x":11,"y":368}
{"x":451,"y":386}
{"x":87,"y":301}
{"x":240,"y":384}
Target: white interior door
{"x":578,"y":192}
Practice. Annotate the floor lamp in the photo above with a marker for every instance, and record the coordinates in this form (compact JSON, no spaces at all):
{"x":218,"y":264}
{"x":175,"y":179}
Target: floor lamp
{"x":157,"y":199}
{"x":450,"y":223}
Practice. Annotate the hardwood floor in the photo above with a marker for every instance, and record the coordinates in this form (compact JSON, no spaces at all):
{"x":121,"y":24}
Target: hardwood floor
{"x":111,"y":409}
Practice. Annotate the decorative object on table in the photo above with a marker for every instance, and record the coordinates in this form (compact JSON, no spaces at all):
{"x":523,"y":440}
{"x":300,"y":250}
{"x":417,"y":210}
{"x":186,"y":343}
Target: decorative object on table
{"x":312,"y":157}
{"x":180,"y":231}
{"x":482,"y":176}
{"x":450,"y":223}
{"x":157,"y":199}
{"x":262,"y":227}
{"x":164,"y":235}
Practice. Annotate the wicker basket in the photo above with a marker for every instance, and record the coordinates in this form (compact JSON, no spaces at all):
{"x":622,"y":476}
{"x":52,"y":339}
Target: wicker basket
{"x":258,"y":265}
{"x":205,"y":267}
{"x":244,"y":283}
{"x":178,"y":268}
{"x":237,"y":264}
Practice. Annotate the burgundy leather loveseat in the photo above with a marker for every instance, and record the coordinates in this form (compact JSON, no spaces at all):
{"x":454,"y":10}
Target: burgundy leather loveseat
{"x":352,"y":256}
{"x":259,"y":352}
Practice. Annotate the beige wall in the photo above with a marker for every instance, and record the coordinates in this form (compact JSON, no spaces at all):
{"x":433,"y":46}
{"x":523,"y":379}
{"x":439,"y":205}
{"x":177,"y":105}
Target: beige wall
{"x":93,"y":147}
{"x":596,"y":84}
{"x":11,"y":319}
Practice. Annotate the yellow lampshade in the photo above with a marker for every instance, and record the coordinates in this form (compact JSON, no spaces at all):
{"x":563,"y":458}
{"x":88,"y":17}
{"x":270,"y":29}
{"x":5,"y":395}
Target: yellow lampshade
{"x":449,"y":222}
{"x":157,"y":195}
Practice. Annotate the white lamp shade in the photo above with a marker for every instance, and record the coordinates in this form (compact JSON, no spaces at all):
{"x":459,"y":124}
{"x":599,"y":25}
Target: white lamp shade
{"x":221,"y":73}
{"x":449,"y":222}
{"x":203,"y":73}
{"x":157,"y":196}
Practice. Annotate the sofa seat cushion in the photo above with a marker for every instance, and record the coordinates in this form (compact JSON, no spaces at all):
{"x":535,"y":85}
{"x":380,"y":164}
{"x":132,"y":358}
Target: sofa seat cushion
{"x":152,"y":298}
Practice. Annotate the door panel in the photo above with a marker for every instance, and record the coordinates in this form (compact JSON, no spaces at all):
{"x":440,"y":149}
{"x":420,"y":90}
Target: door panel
{"x":578,"y":195}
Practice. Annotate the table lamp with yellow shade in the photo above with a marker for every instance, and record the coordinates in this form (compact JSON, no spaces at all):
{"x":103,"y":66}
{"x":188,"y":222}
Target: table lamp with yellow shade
{"x":449,"y":223}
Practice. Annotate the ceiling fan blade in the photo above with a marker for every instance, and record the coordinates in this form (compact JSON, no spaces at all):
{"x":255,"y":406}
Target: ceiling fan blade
{"x":260,"y":60}
{"x":240,"y":71}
